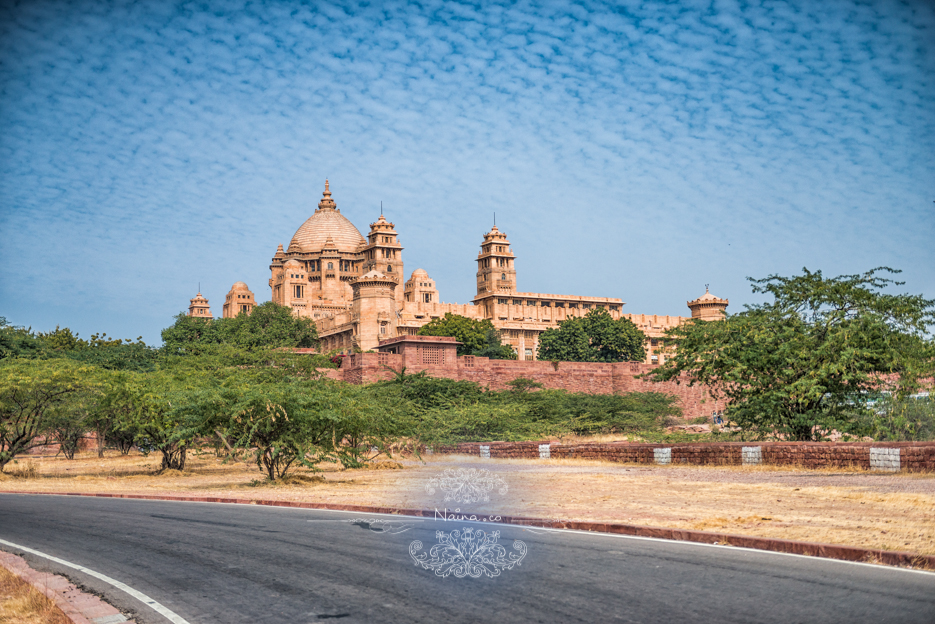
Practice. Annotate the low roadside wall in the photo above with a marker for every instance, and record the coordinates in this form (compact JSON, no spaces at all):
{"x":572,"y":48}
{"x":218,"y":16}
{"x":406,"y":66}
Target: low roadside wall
{"x":883,"y":456}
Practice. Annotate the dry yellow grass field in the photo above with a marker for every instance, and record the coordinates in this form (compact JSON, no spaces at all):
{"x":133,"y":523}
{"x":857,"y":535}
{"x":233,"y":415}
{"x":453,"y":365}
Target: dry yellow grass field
{"x":21,"y":603}
{"x":850,"y":507}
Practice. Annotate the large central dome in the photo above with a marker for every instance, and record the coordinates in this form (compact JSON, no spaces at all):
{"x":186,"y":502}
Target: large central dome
{"x":327,"y":222}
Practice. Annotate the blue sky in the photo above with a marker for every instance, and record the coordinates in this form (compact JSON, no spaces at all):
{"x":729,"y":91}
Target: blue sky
{"x":633,"y":150}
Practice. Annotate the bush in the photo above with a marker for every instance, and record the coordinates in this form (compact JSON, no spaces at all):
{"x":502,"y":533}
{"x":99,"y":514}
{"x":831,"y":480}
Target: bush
{"x":908,"y":419}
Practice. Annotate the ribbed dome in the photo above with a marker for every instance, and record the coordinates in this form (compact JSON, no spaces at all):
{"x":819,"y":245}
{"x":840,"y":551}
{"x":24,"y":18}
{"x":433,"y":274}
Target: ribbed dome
{"x":315,"y":232}
{"x":326,"y":223}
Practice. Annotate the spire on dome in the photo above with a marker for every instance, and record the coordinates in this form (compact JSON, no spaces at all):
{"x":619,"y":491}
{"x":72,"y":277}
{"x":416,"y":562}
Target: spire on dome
{"x":326,"y":202}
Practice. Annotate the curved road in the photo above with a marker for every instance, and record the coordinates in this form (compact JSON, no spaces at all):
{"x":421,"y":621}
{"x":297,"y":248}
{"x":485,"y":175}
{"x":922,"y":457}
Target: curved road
{"x":236,"y":563}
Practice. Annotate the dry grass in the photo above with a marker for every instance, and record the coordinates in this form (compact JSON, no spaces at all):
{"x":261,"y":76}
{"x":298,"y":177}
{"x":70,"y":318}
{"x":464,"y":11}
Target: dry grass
{"x":841,"y":506}
{"x":21,"y":603}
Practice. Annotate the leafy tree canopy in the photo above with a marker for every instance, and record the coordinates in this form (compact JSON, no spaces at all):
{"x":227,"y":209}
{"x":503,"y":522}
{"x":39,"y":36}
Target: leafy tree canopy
{"x":477,"y":336}
{"x":101,"y":351}
{"x":814,"y":358}
{"x":595,"y":337}
{"x":30,"y":393}
{"x":269,"y":325}
{"x":17,"y":341}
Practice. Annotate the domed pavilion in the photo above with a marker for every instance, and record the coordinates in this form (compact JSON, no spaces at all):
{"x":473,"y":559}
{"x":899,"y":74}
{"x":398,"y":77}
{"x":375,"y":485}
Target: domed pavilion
{"x":239,"y":300}
{"x":313,"y":275}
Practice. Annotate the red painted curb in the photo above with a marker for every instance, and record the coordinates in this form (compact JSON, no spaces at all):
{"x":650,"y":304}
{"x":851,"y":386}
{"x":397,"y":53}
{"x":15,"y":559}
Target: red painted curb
{"x":78,"y":606}
{"x":826,"y":551}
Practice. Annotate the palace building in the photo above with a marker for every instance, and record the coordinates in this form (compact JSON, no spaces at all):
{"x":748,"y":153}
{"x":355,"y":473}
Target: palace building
{"x":355,"y":289}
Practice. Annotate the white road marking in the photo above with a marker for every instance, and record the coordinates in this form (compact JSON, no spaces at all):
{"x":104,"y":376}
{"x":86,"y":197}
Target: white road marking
{"x":170,"y":615}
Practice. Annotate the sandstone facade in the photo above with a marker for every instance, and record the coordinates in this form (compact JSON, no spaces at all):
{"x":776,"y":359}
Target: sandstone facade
{"x":355,"y":289}
{"x":199,"y":307}
{"x":239,"y":300}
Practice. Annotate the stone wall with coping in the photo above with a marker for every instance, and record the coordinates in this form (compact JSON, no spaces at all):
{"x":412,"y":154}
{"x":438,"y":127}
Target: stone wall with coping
{"x":883,"y":456}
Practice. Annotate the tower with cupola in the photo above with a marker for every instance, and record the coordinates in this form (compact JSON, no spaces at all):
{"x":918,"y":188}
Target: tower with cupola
{"x":384,"y":254}
{"x":496,"y":271}
{"x":199,"y":307}
{"x":707,"y":307}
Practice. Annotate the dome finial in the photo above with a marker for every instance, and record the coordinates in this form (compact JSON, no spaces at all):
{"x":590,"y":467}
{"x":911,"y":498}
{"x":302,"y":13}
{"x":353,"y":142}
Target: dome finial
{"x":326,"y":202}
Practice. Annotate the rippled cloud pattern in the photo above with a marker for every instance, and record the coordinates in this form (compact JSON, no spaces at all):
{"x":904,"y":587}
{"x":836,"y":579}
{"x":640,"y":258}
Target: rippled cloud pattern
{"x":637,"y":150}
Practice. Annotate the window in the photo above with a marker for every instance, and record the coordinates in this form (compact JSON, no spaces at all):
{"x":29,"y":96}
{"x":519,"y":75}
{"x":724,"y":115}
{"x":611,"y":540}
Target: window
{"x":559,"y":304}
{"x":331,"y":266}
{"x":382,"y":329}
{"x":389,"y":268}
{"x":503,"y":301}
{"x":517,"y":302}
{"x":530,"y":303}
{"x":428,"y":297}
{"x":503,"y":276}
{"x":546,"y":304}
{"x":529,"y":354}
{"x":433,"y":355}
{"x":573,"y":306}
{"x":654,"y":359}
{"x":586,"y":306}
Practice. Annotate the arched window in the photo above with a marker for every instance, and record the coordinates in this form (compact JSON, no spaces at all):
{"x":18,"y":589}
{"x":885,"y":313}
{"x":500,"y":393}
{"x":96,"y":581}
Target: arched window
{"x":389,"y":268}
{"x":331,"y":266}
{"x":503,"y":276}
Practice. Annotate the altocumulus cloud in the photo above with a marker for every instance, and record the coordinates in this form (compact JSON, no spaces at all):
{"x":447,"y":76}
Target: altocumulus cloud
{"x":636,"y":150}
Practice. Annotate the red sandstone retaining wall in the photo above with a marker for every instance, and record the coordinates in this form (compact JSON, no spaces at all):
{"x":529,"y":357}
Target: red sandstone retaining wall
{"x":587,"y":377}
{"x":913,"y":456}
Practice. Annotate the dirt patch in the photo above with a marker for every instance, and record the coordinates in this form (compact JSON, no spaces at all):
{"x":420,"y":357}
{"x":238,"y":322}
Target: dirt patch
{"x":850,"y":507}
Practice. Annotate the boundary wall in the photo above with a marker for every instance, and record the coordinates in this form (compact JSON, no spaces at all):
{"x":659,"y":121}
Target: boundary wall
{"x":882,"y":456}
{"x":587,"y":377}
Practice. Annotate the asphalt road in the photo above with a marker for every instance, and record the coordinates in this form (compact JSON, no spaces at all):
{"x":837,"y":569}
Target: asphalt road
{"x":235,"y":563}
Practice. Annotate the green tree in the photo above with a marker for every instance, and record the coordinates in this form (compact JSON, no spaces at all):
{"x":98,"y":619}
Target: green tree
{"x":66,"y":426}
{"x":120,"y":356}
{"x":595,"y":337}
{"x":814,"y":358}
{"x":188,"y":333}
{"x":30,"y":392}
{"x":309,"y":423}
{"x":522,"y":385}
{"x":906,"y":418}
{"x":161,"y":407}
{"x":269,"y":325}
{"x":17,"y":341}
{"x":61,"y":340}
{"x":477,"y":336}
